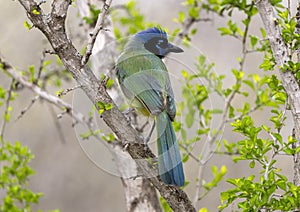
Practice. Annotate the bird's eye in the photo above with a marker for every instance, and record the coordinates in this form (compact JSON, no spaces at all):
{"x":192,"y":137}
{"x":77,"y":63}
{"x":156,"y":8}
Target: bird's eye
{"x":162,"y":43}
{"x":157,"y":46}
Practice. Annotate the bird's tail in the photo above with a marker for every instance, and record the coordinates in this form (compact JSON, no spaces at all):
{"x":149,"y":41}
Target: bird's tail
{"x":169,"y":159}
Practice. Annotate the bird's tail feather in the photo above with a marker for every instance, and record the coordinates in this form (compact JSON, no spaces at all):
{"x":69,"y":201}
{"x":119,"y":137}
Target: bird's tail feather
{"x":169,"y":159}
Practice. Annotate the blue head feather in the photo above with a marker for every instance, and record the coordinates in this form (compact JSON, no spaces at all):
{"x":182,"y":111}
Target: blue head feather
{"x":151,"y":33}
{"x":156,"y":41}
{"x":153,"y":30}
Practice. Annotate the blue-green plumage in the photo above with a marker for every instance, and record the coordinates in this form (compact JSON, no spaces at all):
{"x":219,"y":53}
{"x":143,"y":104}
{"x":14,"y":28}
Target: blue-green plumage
{"x":145,"y":82}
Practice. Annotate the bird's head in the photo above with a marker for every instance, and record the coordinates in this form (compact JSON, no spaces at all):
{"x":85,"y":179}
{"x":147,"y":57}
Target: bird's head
{"x":156,"y":41}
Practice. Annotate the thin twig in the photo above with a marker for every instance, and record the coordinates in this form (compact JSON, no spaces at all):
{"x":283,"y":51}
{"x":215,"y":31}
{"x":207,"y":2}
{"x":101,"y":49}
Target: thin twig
{"x":93,"y":35}
{"x":66,"y":91}
{"x":198,"y":184}
{"x":43,"y":56}
{"x":50,"y":52}
{"x":190,"y":153}
{"x":251,"y":110}
{"x":54,"y":100}
{"x":187,"y":24}
{"x":212,"y":140}
{"x":226,"y":153}
{"x":57,"y":124}
{"x":224,"y":120}
{"x":244,"y":40}
{"x":41,"y":93}
{"x":22,"y":113}
{"x":6,"y":109}
{"x":233,"y":93}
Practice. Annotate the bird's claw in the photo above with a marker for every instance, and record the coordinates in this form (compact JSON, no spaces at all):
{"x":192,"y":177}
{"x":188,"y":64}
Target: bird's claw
{"x":127,"y":113}
{"x":146,"y":140}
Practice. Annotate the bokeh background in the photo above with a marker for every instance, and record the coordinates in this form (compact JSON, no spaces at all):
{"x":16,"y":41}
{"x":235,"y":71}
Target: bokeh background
{"x":64,"y":173}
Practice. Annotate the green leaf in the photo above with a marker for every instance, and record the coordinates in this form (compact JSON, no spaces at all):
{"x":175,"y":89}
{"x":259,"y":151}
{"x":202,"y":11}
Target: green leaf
{"x":86,"y":135}
{"x":250,"y":84}
{"x":225,"y":196}
{"x":27,"y":25}
{"x":194,"y":12}
{"x":263,"y":32}
{"x":185,"y":74}
{"x":31,"y":71}
{"x":203,"y":210}
{"x":253,"y":40}
{"x":225,"y":31}
{"x":165,"y":205}
{"x":7,"y":114}
{"x":36,"y":12}
{"x":194,"y":31}
{"x":183,"y":134}
{"x":238,"y":74}
{"x":15,"y":177}
{"x":177,"y":126}
{"x":252,"y":164}
{"x":109,"y":83}
{"x":281,"y":184}
{"x":189,"y":119}
{"x":109,"y":106}
{"x":185,"y":158}
{"x":266,"y":128}
{"x":103,"y":107}
{"x":181,"y":17}
{"x":2,"y":93}
{"x":108,"y":137}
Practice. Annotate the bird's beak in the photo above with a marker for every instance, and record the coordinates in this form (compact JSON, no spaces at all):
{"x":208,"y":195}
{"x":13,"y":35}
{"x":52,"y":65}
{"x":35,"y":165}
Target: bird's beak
{"x":173,"y":48}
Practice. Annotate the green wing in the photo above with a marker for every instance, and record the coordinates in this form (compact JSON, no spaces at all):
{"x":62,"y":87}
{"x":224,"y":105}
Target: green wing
{"x":145,"y":82}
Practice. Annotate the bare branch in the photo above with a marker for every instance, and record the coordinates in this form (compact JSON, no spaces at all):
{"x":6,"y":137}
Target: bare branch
{"x":93,"y":35}
{"x":198,"y":184}
{"x":187,"y":24}
{"x":27,"y":108}
{"x":254,"y":108}
{"x":64,"y":92}
{"x":57,"y":124}
{"x":40,"y":67}
{"x":188,"y":151}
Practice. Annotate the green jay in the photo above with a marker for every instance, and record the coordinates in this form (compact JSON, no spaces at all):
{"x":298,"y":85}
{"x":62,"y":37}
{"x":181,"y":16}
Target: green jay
{"x":145,"y":82}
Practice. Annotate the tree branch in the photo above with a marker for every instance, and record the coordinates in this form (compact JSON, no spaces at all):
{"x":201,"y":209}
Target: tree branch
{"x":280,"y":52}
{"x":297,"y":156}
{"x":93,"y":35}
{"x":54,"y":30}
{"x":42,"y":94}
{"x":27,"y":107}
{"x":6,"y":110}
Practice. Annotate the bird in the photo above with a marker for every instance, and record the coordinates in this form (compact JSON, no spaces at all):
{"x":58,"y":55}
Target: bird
{"x":144,"y":80}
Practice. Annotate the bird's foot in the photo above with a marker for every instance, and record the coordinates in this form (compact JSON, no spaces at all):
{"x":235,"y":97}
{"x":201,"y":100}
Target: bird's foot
{"x":146,"y":140}
{"x":142,"y":128}
{"x":125,"y":146}
{"x":127,"y":114}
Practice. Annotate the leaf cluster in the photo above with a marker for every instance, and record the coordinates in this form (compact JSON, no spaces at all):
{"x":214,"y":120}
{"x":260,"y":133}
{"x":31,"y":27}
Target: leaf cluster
{"x":15,"y":173}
